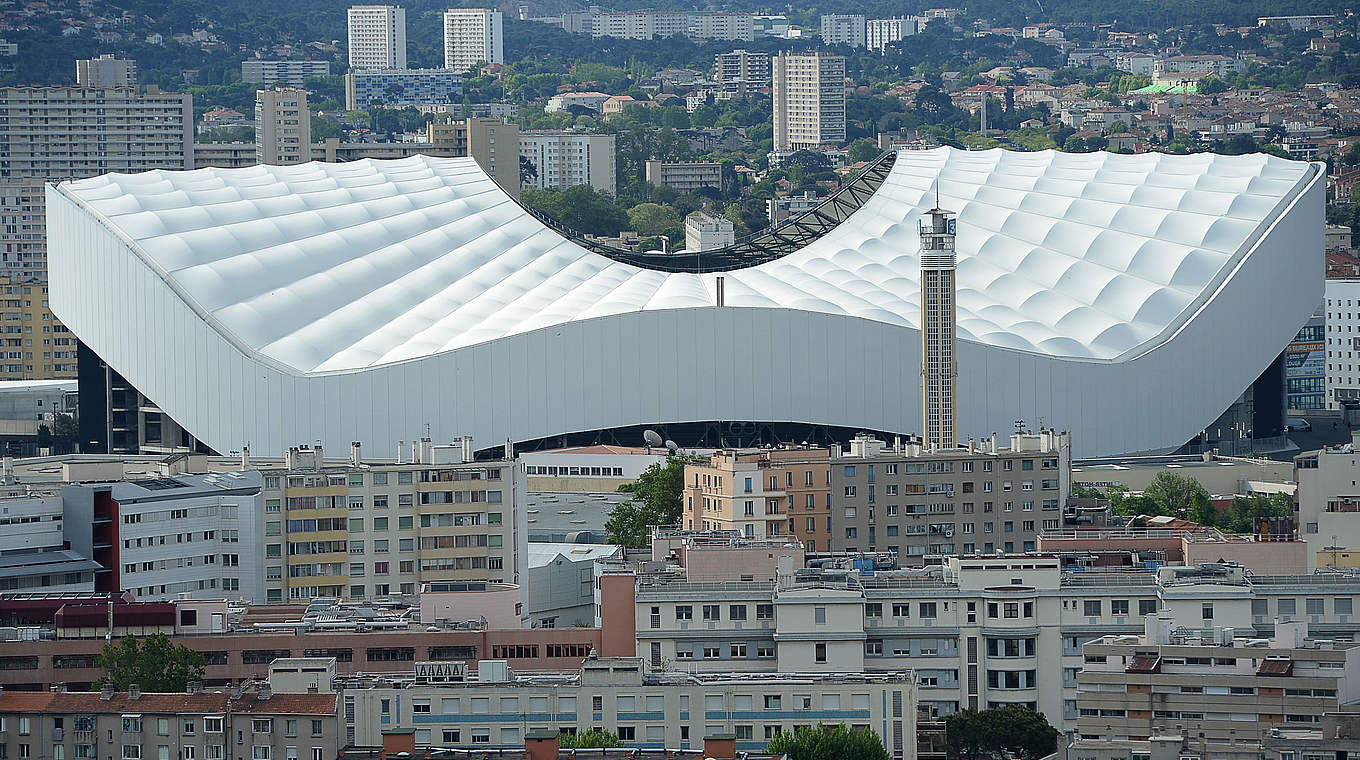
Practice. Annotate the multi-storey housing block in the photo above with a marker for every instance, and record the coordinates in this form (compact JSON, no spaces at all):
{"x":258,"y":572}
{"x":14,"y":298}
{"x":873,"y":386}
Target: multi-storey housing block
{"x":472,"y":36}
{"x":643,"y":706}
{"x":684,"y":175}
{"x":809,"y":100}
{"x":741,"y":72}
{"x":975,"y":500}
{"x":881,"y":32}
{"x":106,"y":71}
{"x":292,"y":73}
{"x":762,"y":494}
{"x":33,"y":344}
{"x":843,"y":29}
{"x":722,"y":26}
{"x":377,"y":37}
{"x":397,"y":88}
{"x":283,"y":127}
{"x":567,"y":159}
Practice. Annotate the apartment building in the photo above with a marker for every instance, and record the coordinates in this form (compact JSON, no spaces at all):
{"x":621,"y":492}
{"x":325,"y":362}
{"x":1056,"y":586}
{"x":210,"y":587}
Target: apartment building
{"x":1208,"y":682}
{"x":717,"y":25}
{"x":645,"y":707}
{"x":106,"y":71}
{"x":397,"y":88}
{"x":33,"y":344}
{"x":377,"y":37}
{"x":283,"y":127}
{"x":979,"y":632}
{"x":809,"y":100}
{"x":762,"y":494}
{"x":1341,"y":308}
{"x":844,"y":29}
{"x":705,"y":231}
{"x":472,"y":36}
{"x":196,"y":724}
{"x":1327,"y":497}
{"x":568,"y":159}
{"x":976,"y":500}
{"x":290,"y":73}
{"x":590,"y":469}
{"x":364,"y":529}
{"x":639,"y":25}
{"x":58,"y":133}
{"x":478,"y":138}
{"x":684,"y":175}
{"x":741,"y":72}
{"x":879,"y":33}
{"x":232,"y":155}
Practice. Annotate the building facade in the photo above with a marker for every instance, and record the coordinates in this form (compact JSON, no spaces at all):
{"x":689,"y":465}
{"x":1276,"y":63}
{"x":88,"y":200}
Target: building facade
{"x":939,"y":365}
{"x":377,"y":37}
{"x":684,"y":175}
{"x":762,"y":494}
{"x":645,"y":707}
{"x":291,"y":73}
{"x":1341,"y":307}
{"x":742,"y":72}
{"x":472,"y":36}
{"x":809,"y":100}
{"x":1306,"y":367}
{"x":977,"y":500}
{"x":397,"y":88}
{"x":568,"y":159}
{"x":879,"y":33}
{"x":843,"y":29}
{"x":33,"y":344}
{"x":722,"y":26}
{"x":106,"y":71}
{"x":60,"y":133}
{"x":283,"y":127}
{"x":705,"y":231}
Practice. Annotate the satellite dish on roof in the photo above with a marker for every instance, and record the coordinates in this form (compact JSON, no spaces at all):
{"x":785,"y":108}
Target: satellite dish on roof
{"x":652,"y":438}
{"x":671,"y":446}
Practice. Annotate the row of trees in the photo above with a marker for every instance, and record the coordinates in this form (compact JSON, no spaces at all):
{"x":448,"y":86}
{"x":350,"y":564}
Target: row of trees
{"x":1182,"y":496}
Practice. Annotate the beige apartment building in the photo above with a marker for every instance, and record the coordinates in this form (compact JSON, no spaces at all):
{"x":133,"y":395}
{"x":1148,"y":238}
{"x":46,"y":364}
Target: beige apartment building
{"x":283,"y":127}
{"x":492,"y":143}
{"x":373,"y":529}
{"x":196,"y":725}
{"x":33,"y":344}
{"x":1225,"y":689}
{"x":762,"y":494}
{"x":809,"y":100}
{"x":980,"y":499}
{"x":59,"y":133}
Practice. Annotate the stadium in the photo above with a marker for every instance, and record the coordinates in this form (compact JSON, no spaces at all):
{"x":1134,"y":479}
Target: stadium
{"x":1130,"y":299}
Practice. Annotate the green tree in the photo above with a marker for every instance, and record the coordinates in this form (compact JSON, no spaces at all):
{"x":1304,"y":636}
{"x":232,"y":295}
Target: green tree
{"x":657,"y":500}
{"x":155,"y":664}
{"x":823,"y":742}
{"x":581,"y":208}
{"x":862,"y":149}
{"x":652,"y":218}
{"x":1004,"y":732}
{"x":1179,"y":495}
{"x":1074,"y":144}
{"x":1211,"y":86}
{"x":595,"y":738}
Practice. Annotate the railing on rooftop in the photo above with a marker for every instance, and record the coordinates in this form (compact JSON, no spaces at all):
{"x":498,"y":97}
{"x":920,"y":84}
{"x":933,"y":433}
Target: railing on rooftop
{"x":1108,"y":579}
{"x":756,"y":248}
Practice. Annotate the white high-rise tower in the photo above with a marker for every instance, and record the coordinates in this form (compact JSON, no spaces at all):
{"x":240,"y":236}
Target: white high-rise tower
{"x":472,"y":35}
{"x":377,"y":37}
{"x":939,"y":367}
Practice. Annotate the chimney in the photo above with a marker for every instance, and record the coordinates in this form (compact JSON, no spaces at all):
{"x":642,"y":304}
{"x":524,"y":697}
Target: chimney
{"x":194,"y":687}
{"x":541,"y":744}
{"x":399,"y":741}
{"x":426,"y":450}
{"x":401,"y":451}
{"x":264,"y":692}
{"x":415,"y":451}
{"x":134,"y":691}
{"x":245,"y":457}
{"x":720,"y":746}
{"x":355,"y":457}
{"x":719,"y":294}
{"x":106,"y":693}
{"x":467,"y":449}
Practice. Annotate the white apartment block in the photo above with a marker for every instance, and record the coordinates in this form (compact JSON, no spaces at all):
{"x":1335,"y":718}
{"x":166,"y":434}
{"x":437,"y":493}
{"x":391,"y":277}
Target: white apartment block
{"x":881,"y":32}
{"x":843,"y":29}
{"x":643,"y":706}
{"x":106,"y":71}
{"x":472,"y":36}
{"x":567,"y":159}
{"x":293,"y":73}
{"x":722,"y":26}
{"x":640,"y":25}
{"x":742,"y":66}
{"x":809,"y":100}
{"x":59,"y":133}
{"x":283,"y":127}
{"x":1328,"y":504}
{"x":1218,"y":65}
{"x":705,"y":231}
{"x":1341,"y":312}
{"x":978,"y":632}
{"x":377,"y":37}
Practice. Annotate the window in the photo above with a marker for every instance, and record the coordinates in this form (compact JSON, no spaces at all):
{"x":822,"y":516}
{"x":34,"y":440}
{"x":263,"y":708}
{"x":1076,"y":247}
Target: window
{"x":928,"y":609}
{"x":1119,"y":607}
{"x":819,"y":615}
{"x":773,"y":702}
{"x":261,"y":725}
{"x":820,"y":652}
{"x":766,"y":611}
{"x":1091,"y":608}
{"x":684,"y":612}
{"x":1206,"y":610}
{"x":712,"y":612}
{"x":736,"y":612}
{"x":1147,"y":606}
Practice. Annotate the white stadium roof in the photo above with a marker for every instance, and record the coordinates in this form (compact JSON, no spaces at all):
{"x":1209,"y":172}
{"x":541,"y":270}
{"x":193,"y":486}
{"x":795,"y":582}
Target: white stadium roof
{"x":311,"y":296}
{"x":335,"y":267}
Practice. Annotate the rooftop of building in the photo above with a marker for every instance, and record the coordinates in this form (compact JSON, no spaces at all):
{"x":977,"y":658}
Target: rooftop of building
{"x":124,"y":702}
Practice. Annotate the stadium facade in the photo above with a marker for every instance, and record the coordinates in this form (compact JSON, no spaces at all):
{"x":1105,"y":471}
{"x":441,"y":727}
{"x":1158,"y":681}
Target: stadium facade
{"x":1129,"y":299}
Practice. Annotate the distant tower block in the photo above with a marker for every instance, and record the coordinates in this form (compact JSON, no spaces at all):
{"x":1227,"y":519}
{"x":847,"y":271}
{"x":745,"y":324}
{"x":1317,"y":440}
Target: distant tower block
{"x":939,"y":368}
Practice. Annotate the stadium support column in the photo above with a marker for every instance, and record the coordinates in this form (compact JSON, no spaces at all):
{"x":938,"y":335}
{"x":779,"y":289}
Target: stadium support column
{"x":939,"y":369}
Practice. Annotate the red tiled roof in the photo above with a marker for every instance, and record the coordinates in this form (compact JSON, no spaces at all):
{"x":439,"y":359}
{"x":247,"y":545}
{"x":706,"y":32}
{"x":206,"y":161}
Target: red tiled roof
{"x":207,"y":702}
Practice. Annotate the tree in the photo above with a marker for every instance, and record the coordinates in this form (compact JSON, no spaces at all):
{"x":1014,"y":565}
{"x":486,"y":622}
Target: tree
{"x":652,"y":218}
{"x":154,"y":663}
{"x":1003,"y":732}
{"x":823,"y":742}
{"x":862,"y":149}
{"x":528,"y":172}
{"x":1180,"y":495}
{"x":595,"y":738}
{"x":657,"y":500}
{"x":1211,"y":86}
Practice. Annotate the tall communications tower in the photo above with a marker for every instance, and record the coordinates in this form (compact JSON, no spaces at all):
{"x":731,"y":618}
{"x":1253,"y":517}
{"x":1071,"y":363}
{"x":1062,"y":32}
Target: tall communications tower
{"x":939,"y":368}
